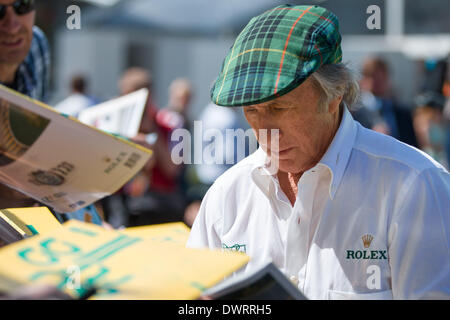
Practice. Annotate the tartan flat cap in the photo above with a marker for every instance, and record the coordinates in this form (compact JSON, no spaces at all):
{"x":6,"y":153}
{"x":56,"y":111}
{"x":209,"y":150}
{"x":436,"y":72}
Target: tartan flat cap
{"x":275,"y":53}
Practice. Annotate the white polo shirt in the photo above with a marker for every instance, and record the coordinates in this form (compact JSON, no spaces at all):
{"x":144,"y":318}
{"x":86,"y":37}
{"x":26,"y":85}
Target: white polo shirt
{"x":371,"y":220}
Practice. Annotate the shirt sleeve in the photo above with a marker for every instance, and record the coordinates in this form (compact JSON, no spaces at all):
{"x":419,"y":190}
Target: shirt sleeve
{"x":205,"y":232}
{"x":40,"y":52}
{"x":419,"y":253}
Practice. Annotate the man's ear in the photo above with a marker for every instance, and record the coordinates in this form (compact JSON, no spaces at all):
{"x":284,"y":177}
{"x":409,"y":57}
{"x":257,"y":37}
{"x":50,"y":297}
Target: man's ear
{"x":334,"y":104}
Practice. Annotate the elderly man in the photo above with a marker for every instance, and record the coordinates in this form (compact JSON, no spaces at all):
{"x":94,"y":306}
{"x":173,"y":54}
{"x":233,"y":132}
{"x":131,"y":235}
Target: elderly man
{"x":24,"y":66}
{"x":348,"y":213}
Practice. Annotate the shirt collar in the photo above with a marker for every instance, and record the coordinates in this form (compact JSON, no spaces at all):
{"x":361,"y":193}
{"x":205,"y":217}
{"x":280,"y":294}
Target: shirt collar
{"x":338,"y":153}
{"x":335,"y":158}
{"x":260,"y":173}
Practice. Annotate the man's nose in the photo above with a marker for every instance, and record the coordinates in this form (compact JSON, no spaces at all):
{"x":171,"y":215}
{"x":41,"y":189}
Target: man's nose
{"x":266,"y":122}
{"x":269,"y":131}
{"x":10,"y":22}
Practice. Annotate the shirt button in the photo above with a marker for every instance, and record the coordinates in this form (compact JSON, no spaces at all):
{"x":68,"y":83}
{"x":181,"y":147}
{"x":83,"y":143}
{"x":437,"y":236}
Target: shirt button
{"x":298,"y":221}
{"x":294,"y":280}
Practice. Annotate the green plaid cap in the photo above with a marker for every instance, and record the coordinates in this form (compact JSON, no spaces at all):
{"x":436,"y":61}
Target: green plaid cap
{"x":275,"y":53}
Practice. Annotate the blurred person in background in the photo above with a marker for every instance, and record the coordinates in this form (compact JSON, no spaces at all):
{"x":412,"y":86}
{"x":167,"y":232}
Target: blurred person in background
{"x":24,"y":67}
{"x":447,"y":130}
{"x":216,"y":117}
{"x":180,"y":96}
{"x":175,"y":116}
{"x":78,"y":99}
{"x":153,"y":196}
{"x":429,"y":125}
{"x":446,"y":93}
{"x":431,"y":119}
{"x":221,"y":119}
{"x":379,"y":109}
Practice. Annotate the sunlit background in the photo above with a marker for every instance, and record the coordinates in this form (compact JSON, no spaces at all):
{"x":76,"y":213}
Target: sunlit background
{"x":179,"y":38}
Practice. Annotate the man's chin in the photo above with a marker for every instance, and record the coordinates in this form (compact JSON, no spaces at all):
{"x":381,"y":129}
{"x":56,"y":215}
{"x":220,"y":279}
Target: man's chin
{"x":16,"y":61}
{"x":275,"y":164}
{"x":13,"y":55}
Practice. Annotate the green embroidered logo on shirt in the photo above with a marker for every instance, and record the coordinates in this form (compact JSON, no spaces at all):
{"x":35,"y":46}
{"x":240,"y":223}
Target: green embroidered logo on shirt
{"x":236,"y":247}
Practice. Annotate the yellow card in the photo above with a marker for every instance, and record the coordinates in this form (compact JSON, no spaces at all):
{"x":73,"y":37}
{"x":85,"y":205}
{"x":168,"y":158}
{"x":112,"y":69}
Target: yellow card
{"x":176,"y":232}
{"x":38,"y":219}
{"x":80,"y":256}
{"x":15,"y":222}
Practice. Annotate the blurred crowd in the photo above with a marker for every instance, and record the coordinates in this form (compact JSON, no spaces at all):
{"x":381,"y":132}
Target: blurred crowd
{"x":425,"y":123}
{"x":167,"y":192}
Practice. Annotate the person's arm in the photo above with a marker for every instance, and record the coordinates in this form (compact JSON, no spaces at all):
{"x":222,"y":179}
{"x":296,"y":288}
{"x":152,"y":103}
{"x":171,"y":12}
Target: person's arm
{"x":162,"y":155}
{"x":419,"y":249}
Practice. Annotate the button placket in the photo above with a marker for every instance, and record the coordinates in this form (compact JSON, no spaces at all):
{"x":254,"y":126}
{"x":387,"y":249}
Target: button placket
{"x":296,"y":247}
{"x":307,"y":186}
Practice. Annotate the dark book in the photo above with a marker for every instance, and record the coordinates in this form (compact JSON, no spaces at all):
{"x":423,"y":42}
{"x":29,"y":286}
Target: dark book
{"x":266,"y":283}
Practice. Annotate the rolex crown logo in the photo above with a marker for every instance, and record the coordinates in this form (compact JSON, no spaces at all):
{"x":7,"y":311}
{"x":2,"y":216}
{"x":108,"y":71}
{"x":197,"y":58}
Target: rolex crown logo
{"x":367,"y":240}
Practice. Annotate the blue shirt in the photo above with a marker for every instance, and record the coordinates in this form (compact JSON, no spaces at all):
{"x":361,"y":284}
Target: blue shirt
{"x":33,"y":75}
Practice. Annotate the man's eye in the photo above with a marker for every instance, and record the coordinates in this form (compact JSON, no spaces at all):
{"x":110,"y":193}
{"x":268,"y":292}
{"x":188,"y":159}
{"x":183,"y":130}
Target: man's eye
{"x":250,"y":110}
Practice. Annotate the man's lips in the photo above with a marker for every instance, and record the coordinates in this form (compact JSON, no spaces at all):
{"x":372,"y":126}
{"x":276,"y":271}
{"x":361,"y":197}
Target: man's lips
{"x":280,"y":153}
{"x":12,"y":43}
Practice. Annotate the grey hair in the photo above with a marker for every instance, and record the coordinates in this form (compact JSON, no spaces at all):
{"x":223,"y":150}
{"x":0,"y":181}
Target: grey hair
{"x":334,"y":80}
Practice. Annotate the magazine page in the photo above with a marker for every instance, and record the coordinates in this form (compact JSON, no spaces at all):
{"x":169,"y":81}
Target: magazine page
{"x":121,"y":116}
{"x":56,"y":159}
